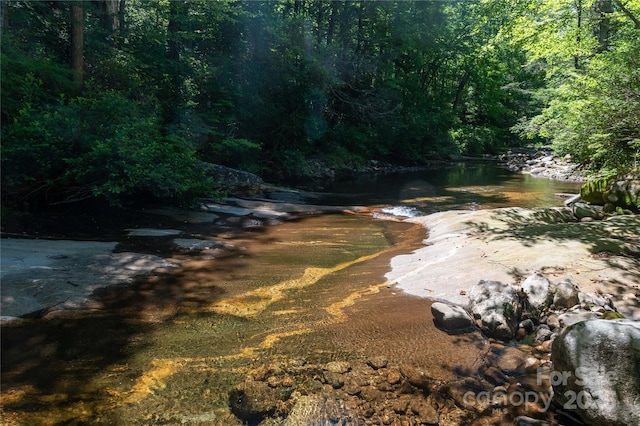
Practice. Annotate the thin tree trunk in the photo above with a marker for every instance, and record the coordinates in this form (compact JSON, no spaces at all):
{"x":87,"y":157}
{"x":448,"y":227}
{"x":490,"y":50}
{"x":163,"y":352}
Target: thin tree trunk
{"x":77,"y":44}
{"x":121,"y":20}
{"x":3,"y":16}
{"x":360,"y":40}
{"x":605,"y":8}
{"x":319,"y":22}
{"x":461,"y":85}
{"x":332,"y":22}
{"x":576,"y":57}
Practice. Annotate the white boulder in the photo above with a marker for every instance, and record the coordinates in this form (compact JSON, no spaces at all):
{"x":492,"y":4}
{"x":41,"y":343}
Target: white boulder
{"x":597,"y":371}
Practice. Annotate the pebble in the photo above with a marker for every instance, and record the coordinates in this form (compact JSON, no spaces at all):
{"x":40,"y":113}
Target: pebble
{"x":338,"y":367}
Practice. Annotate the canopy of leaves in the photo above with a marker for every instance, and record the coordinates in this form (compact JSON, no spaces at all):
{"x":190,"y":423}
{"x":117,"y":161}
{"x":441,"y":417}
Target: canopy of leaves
{"x":265,"y":85}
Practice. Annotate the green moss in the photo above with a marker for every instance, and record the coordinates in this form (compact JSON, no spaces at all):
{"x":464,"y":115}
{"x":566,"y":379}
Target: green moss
{"x":611,"y":315}
{"x":620,"y":210}
{"x":594,"y":191}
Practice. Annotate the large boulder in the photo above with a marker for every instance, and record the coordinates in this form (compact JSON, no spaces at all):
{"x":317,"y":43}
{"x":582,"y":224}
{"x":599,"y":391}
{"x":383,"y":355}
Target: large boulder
{"x":622,"y":191}
{"x":597,"y":371}
{"x":593,"y":191}
{"x":232,"y":181}
{"x":496,"y":304}
{"x":583,"y":210}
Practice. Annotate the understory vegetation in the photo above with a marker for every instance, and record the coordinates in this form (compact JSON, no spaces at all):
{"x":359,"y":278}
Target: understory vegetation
{"x":122,"y":99}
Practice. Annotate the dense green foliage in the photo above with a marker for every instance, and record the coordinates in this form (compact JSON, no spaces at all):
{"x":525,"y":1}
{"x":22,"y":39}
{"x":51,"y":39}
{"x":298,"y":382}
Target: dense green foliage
{"x":264,"y":86}
{"x":590,"y":53}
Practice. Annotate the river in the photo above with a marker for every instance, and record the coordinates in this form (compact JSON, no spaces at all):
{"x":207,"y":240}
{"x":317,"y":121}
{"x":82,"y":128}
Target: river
{"x":302,"y":306}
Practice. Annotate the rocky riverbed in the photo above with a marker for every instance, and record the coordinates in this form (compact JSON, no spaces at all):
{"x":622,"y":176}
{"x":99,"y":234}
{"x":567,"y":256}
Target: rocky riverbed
{"x":376,"y":365}
{"x":542,"y":163}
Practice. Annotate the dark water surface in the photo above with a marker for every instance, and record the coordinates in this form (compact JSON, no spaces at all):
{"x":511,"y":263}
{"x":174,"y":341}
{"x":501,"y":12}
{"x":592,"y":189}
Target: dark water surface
{"x":169,"y":348}
{"x":468,"y":185}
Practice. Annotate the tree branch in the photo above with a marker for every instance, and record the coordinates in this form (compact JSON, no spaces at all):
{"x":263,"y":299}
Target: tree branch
{"x":627,"y":12}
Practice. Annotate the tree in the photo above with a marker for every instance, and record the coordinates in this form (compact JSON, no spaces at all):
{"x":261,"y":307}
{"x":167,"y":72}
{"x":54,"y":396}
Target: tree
{"x":77,"y":44}
{"x":590,"y":112}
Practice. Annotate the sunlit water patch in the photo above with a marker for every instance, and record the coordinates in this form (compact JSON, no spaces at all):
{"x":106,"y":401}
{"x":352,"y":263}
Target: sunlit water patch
{"x":401,"y":211}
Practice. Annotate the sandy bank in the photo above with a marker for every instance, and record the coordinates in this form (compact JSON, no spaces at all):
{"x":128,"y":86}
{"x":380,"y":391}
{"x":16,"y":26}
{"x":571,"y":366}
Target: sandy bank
{"x":509,"y":244}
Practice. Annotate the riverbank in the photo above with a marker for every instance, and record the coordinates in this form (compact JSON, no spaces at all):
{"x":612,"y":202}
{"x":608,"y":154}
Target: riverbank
{"x":210,"y":340}
{"x":63,"y":271}
{"x":542,"y":163}
{"x":510,"y":244}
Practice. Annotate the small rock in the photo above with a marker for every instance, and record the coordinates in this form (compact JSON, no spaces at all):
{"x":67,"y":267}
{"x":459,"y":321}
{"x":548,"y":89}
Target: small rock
{"x":400,"y":405}
{"x":338,"y":367}
{"x":428,"y":415}
{"x":527,"y":325}
{"x":521,"y":334}
{"x":566,"y":294}
{"x":336,"y":380}
{"x":510,"y":360}
{"x":463,"y":392}
{"x":394,"y":377}
{"x":495,"y":376}
{"x":252,"y":400}
{"x":553,"y":321}
{"x":351,"y":387}
{"x":497,"y":305}
{"x":546,"y":345}
{"x":530,"y":421}
{"x":377,"y":362}
{"x":417,"y":377}
{"x":537,"y":288}
{"x":543,"y":333}
{"x":583,"y":211}
{"x":451,"y":317}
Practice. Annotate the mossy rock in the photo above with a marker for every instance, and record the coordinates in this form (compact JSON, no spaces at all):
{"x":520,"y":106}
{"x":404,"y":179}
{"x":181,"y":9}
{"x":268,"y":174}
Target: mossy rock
{"x":594,"y":191}
{"x":611,"y":315}
{"x":621,"y":192}
{"x":624,"y":192}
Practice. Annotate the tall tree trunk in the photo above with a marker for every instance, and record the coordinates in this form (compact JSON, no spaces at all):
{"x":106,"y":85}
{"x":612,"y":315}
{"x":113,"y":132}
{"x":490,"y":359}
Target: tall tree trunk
{"x":360,"y":41}
{"x":604,"y":8}
{"x":172,"y":93}
{"x":173,"y":51}
{"x":77,"y":44}
{"x":332,"y":22}
{"x":576,"y":57}
{"x":319,"y":22}
{"x":3,"y":16}
{"x":109,"y":16}
{"x":121,"y":21}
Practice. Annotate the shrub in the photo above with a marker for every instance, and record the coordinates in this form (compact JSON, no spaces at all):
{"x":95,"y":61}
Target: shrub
{"x":106,"y":146}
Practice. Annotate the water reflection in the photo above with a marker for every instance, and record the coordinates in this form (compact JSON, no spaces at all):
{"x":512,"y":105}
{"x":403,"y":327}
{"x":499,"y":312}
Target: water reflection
{"x":470,"y":185}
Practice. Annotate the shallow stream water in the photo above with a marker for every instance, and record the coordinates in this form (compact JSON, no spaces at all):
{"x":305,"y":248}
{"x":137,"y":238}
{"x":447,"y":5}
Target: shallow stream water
{"x":170,"y":348}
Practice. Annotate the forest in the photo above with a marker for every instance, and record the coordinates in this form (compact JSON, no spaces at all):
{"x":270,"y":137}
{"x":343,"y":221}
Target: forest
{"x":123,"y":99}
